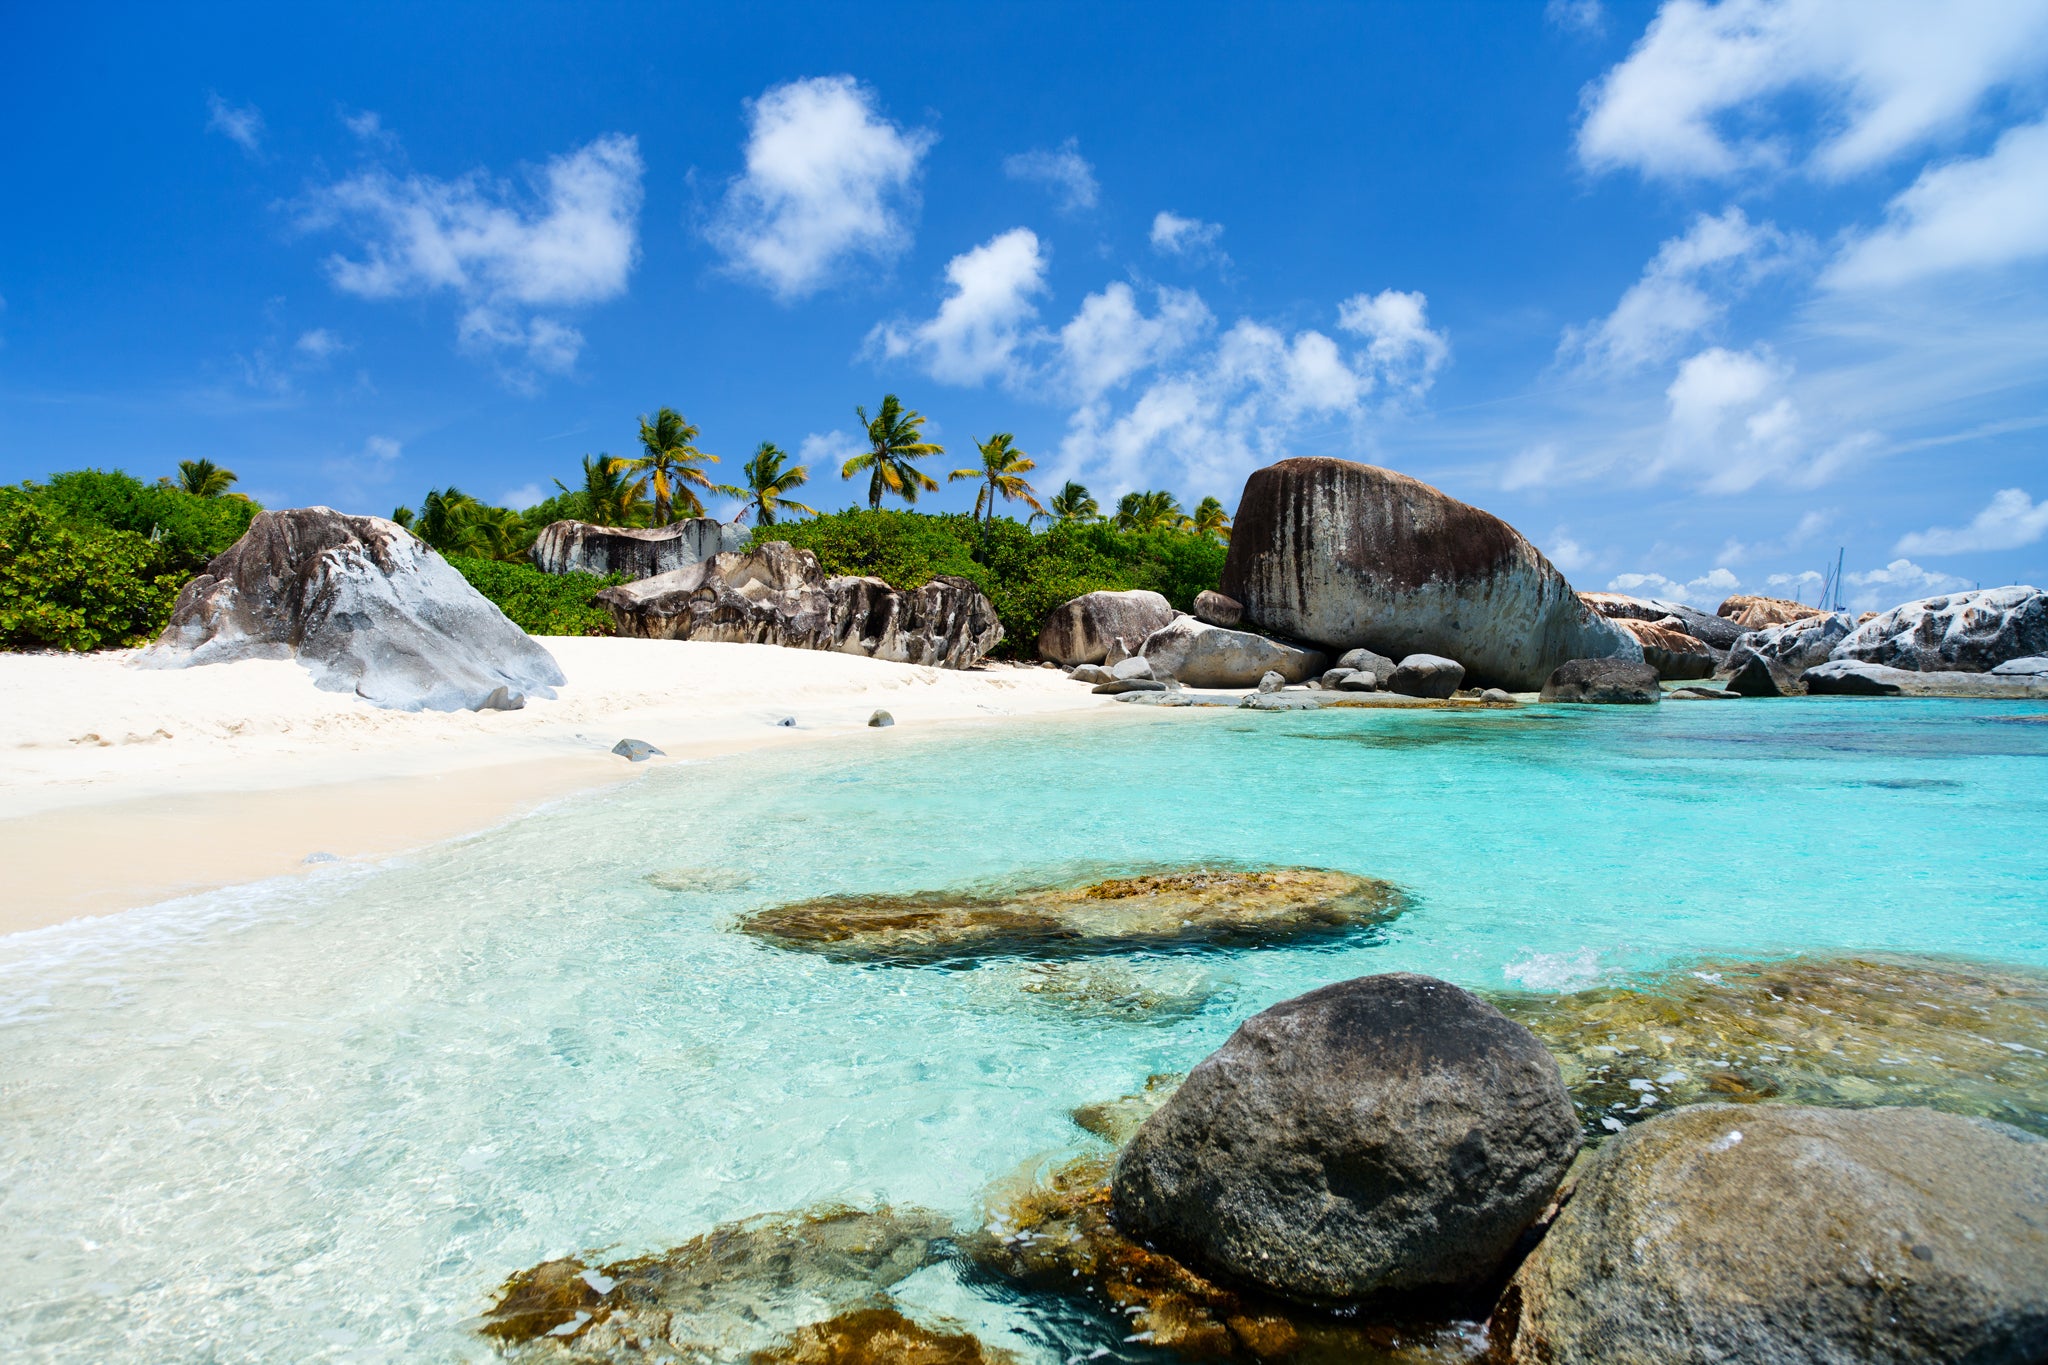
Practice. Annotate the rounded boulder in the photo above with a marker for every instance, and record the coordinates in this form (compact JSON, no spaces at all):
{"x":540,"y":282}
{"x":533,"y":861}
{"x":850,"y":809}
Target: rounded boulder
{"x":1603,"y":682}
{"x":1386,"y":1133}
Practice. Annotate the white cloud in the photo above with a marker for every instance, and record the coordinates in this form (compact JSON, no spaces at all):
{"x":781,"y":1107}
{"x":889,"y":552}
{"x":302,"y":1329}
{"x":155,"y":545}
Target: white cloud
{"x":1976,"y":213}
{"x":825,"y":451}
{"x":1110,"y":338}
{"x":1062,"y":170}
{"x":1189,"y":238}
{"x":1707,"y":591}
{"x":828,"y":179}
{"x":1899,"y":581}
{"x":1586,"y":16}
{"x":573,"y":241}
{"x":1693,"y":97}
{"x":1682,"y":292}
{"x":1403,"y":347}
{"x":1530,"y":467}
{"x":524,"y":496}
{"x":979,"y":327}
{"x":1810,"y":526}
{"x":243,"y":127}
{"x":2011,"y":519}
{"x":368,"y":125}
{"x":1568,"y":554}
{"x":1732,"y":424}
{"x":357,"y":472}
{"x":319,"y":345}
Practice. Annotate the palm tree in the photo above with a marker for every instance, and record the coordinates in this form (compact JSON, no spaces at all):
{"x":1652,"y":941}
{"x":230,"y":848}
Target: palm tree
{"x":611,"y":497}
{"x":1075,"y":503}
{"x":893,"y":442}
{"x":203,"y":478}
{"x":671,"y":462}
{"x":767,"y":485}
{"x":403,"y":516}
{"x":1210,"y":519}
{"x":444,"y":515}
{"x":1002,"y":471}
{"x":1154,"y":510}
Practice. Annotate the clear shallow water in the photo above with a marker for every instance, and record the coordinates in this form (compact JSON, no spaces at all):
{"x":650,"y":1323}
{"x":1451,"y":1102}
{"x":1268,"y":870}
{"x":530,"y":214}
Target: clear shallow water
{"x":325,"y":1119}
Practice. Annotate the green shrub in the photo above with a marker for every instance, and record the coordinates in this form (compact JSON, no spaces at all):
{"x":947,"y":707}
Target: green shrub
{"x":1025,"y":573}
{"x":76,"y":587}
{"x":187,"y":530}
{"x":540,"y":603}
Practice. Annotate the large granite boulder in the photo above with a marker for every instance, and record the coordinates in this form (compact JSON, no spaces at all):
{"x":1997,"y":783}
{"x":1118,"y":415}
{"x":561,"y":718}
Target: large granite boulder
{"x":1218,"y":610}
{"x":1198,"y":654}
{"x":1385,"y":1133}
{"x":1426,"y":675}
{"x":365,"y":607}
{"x":1755,"y":613}
{"x":1717,"y":632}
{"x":1669,"y":650}
{"x":637,"y":552}
{"x":1082,"y":631}
{"x":777,"y":595}
{"x":1964,"y":632}
{"x":1781,"y":1233}
{"x":1794,"y":647}
{"x":1852,"y":678}
{"x":1603,"y":682}
{"x":1346,"y":554}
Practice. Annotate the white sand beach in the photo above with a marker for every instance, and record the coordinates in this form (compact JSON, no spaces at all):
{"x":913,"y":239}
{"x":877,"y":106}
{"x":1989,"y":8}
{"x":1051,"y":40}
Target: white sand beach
{"x":121,"y":786}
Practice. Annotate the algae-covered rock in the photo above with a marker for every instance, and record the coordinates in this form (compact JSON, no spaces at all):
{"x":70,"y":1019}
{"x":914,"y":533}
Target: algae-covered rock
{"x":1182,"y":908}
{"x":1116,"y":1121}
{"x":877,"y":1336}
{"x":733,"y":1291}
{"x":1844,"y":1031}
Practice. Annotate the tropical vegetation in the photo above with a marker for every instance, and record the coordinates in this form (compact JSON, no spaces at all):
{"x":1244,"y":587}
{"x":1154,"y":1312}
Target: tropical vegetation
{"x":672,"y":463}
{"x":770,"y":479}
{"x":1001,"y":474}
{"x":896,"y":443}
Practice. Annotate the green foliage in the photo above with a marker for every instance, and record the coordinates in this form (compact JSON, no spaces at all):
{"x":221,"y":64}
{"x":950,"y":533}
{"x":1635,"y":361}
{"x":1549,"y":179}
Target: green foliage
{"x":76,"y":586}
{"x":1025,"y":574}
{"x":540,"y":603}
{"x":188,"y":530}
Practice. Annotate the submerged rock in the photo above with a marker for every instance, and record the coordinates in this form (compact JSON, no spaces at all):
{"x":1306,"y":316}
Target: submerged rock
{"x":878,"y":1336}
{"x":1117,"y":1121}
{"x":1082,"y":631}
{"x":1179,"y":909}
{"x":1603,"y":682}
{"x":1755,"y":613}
{"x":1388,"y":1133}
{"x":1964,"y":632}
{"x":1100,"y":989}
{"x":733,"y":1291}
{"x":705,"y":880}
{"x":1785,"y":1233}
{"x":635,"y":551}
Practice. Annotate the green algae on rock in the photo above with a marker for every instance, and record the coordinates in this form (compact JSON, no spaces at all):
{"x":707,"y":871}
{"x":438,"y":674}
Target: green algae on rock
{"x":878,"y":1336}
{"x":722,"y":1296}
{"x":1176,"y":909}
{"x":1848,"y":1032}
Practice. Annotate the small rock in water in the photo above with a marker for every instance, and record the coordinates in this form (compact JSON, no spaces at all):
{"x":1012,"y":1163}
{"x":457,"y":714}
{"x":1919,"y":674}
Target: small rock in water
{"x":1603,"y":682}
{"x":636,"y":750}
{"x":1271,"y":682}
{"x":881,"y":720}
{"x":1701,"y":694}
{"x":319,"y":858}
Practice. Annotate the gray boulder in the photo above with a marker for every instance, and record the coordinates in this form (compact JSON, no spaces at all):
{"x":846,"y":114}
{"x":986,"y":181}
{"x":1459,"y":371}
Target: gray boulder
{"x":2023,"y":668}
{"x":636,"y":750}
{"x":1347,"y":554}
{"x":1763,"y":677}
{"x":1494,"y":696}
{"x":1964,"y":632}
{"x":1116,"y":687}
{"x":1670,"y":651}
{"x":777,"y":595}
{"x":1701,"y":694}
{"x":1091,"y":674}
{"x":1359,"y":682}
{"x":1137,"y":666}
{"x":1332,"y":676}
{"x":1603,"y":682}
{"x":1366,"y":661}
{"x":635,"y":551}
{"x":1795,"y":646}
{"x":1716,"y":632}
{"x":881,"y":720}
{"x":1081,"y":631}
{"x":1218,"y":610}
{"x":1426,"y":675}
{"x":1198,"y":654}
{"x":1271,"y":682}
{"x":1849,"y":678}
{"x":1779,"y":1233}
{"x":1385,"y":1133}
{"x":364,"y":607}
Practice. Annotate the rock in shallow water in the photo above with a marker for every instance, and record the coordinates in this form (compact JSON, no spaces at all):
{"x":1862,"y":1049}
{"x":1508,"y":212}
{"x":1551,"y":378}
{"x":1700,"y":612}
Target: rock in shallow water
{"x":1849,"y":678}
{"x":1179,"y":909}
{"x":1603,"y":682}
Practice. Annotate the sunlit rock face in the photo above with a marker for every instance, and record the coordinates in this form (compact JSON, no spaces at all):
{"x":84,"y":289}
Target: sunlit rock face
{"x":1964,"y":632}
{"x":738,"y":1289}
{"x":1849,"y":1031}
{"x":1181,"y":908}
{"x":1756,"y":613}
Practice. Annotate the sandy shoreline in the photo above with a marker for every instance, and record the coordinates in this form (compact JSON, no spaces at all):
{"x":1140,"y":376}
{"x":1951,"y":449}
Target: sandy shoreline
{"x":123,"y":786}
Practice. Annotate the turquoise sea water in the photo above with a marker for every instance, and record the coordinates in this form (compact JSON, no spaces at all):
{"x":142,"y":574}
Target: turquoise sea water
{"x":323,"y":1119}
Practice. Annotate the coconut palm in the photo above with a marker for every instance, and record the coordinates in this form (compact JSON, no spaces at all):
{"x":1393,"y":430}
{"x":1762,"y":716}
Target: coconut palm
{"x":204,"y":478}
{"x":610,"y":495}
{"x":492,"y":533}
{"x":1075,"y":503}
{"x":894,"y":441}
{"x":767,"y":485}
{"x":1210,"y":519}
{"x":404,"y":516}
{"x":671,"y":463}
{"x":1002,"y":471}
{"x":1153,"y":510}
{"x":444,"y":513}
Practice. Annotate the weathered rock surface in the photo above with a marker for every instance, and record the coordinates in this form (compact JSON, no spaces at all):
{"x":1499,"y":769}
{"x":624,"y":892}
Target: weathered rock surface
{"x":1603,"y":682}
{"x":1426,"y":675}
{"x":1117,"y":687}
{"x":1762,"y":677}
{"x":1494,"y":696}
{"x":1794,"y":647}
{"x":1717,"y":632}
{"x":1080,"y":631}
{"x":881,"y":720}
{"x":1092,"y":674}
{"x":1198,"y":654}
{"x":777,"y":595}
{"x":1365,"y":661}
{"x":1386,"y":1133}
{"x":2023,"y":668}
{"x":1671,"y":652}
{"x":1271,"y":682}
{"x":1850,"y":678}
{"x":1358,"y":682}
{"x":1137,"y":666}
{"x":1347,"y":554}
{"x":1964,"y":632}
{"x":878,"y":1336}
{"x":1217,"y":609}
{"x":635,"y":551}
{"x":637,"y":750}
{"x":1789,"y":1234}
{"x":364,"y":607}
{"x":1756,"y":613}
{"x":1700,"y":694}
{"x":1184,"y":908}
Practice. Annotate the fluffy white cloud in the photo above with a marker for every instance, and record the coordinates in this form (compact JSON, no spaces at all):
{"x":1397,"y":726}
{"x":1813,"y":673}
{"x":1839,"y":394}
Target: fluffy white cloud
{"x":1110,"y":338}
{"x":1396,"y":326}
{"x":1683,"y":291}
{"x":1190,"y":238}
{"x":828,"y":179}
{"x":2011,"y":519}
{"x":243,"y":127}
{"x":1810,"y":526}
{"x":1568,"y":554}
{"x":1706,"y":591}
{"x":1063,"y":170}
{"x":525,"y":495}
{"x":1899,"y":581}
{"x":1732,"y":424}
{"x":1971,"y":214}
{"x":572,"y":241}
{"x":823,"y":452}
{"x":1530,"y":467}
{"x":979,"y":327}
{"x":319,"y":344}
{"x":1693,"y":97}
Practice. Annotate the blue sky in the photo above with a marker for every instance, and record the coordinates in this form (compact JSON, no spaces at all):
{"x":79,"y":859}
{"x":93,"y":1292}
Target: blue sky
{"x":1692,"y":294}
